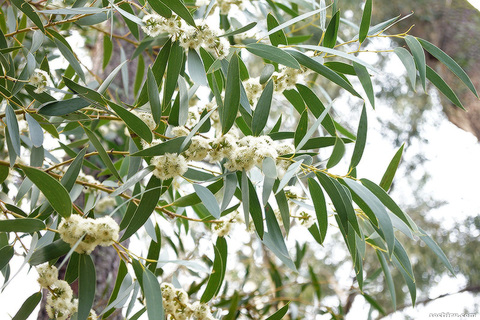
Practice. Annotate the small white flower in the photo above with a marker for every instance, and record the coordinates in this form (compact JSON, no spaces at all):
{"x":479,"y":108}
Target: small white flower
{"x":39,"y":79}
{"x":169,"y":165}
{"x":47,"y":275}
{"x":306,"y":219}
{"x":198,"y":149}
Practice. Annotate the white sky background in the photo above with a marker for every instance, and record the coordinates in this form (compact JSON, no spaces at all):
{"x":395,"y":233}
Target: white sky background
{"x":453,"y":163}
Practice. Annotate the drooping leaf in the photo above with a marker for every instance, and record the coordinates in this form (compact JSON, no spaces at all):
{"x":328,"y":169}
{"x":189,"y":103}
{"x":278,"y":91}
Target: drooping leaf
{"x":175,"y":62}
{"x":215,"y":280}
{"x":418,"y":56}
{"x":153,"y":296}
{"x":361,"y":139}
{"x":29,"y":12}
{"x":449,"y":63}
{"x":208,"y":200}
{"x":133,"y":122}
{"x":196,"y":69}
{"x":49,"y":252}
{"x":6,"y":254}
{"x":277,"y":37}
{"x":262,"y":110}
{"x":388,"y":278}
{"x":443,"y":87}
{"x":436,"y":249}
{"x":153,"y":96}
{"x":273,"y":53}
{"x":301,"y":129}
{"x":13,"y":130}
{"x":279,"y":314}
{"x":28,"y":306}
{"x":337,"y":153}
{"x":133,"y":180}
{"x":179,"y":8}
{"x":409,"y":64}
{"x":170,"y":146}
{"x":320,"y":206}
{"x":240,"y":30}
{"x":228,"y":113}
{"x":70,"y":57}
{"x":366,"y":82}
{"x":365,"y":24}
{"x":63,"y":107}
{"x":87,"y":282}
{"x":255,"y":209}
{"x":331,"y":33}
{"x":55,"y":193}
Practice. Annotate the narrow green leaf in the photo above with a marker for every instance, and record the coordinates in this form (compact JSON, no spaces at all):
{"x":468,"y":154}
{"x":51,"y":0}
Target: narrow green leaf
{"x":365,"y":24}
{"x":436,"y":249}
{"x":145,"y":208}
{"x":137,"y":177}
{"x":323,"y":71}
{"x":29,"y":12}
{"x":13,"y":129}
{"x":279,"y":314}
{"x":160,"y":8}
{"x":262,"y":110}
{"x":361,"y":139}
{"x":443,"y":87}
{"x":409,"y":64}
{"x":170,"y":146}
{"x":313,"y":128}
{"x":240,"y":30}
{"x":295,"y":20}
{"x":278,"y":37}
{"x":301,"y":130}
{"x":255,"y":210}
{"x":331,"y":33}
{"x":55,"y":193}
{"x":449,"y":63}
{"x":102,"y":153}
{"x":133,"y":122}
{"x":63,"y":107}
{"x":131,"y":20}
{"x":388,"y":278}
{"x":282,"y":204}
{"x":208,"y":200}
{"x":179,"y":8}
{"x":26,"y":225}
{"x":228,"y":113}
{"x":273,"y":53}
{"x":49,"y":252}
{"x":87,"y":282}
{"x":337,"y":153}
{"x":387,"y":178}
{"x":366,"y":81}
{"x":4,"y":171}
{"x":418,"y":56}
{"x":370,"y":204}
{"x":153,"y":296}
{"x":28,"y":306}
{"x":175,"y":62}
{"x":267,"y":72}
{"x":292,"y":169}
{"x":6,"y":254}
{"x":107,"y":51}
{"x":86,"y":93}
{"x":70,"y":57}
{"x":320,"y":206}
{"x":153,"y":97}
{"x":139,"y":75}
{"x":218,"y":273}
{"x":109,"y":79}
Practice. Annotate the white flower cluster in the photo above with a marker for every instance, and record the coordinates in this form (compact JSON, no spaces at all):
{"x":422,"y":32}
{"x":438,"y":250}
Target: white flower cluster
{"x":251,"y":151}
{"x":156,"y":24}
{"x":223,"y":228}
{"x":169,"y":165}
{"x":102,"y":231}
{"x":306,"y":219}
{"x":105,"y":204}
{"x":204,"y":36}
{"x":287,"y":78}
{"x":226,"y":5}
{"x":60,"y":302}
{"x":39,"y":79}
{"x":254,"y":89}
{"x":147,"y":118}
{"x":176,"y":305}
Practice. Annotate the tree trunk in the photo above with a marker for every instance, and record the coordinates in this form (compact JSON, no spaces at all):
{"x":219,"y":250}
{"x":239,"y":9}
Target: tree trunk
{"x":454,"y":27}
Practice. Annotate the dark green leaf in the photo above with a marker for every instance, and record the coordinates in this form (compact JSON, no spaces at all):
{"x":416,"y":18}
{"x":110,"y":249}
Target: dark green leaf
{"x":324,"y":71}
{"x":240,"y":30}
{"x":418,"y":56}
{"x":255,"y":209}
{"x":87,"y":282}
{"x":13,"y":130}
{"x":366,"y":82}
{"x":196,"y":69}
{"x":449,"y":63}
{"x":70,"y":177}
{"x":262,"y":110}
{"x":320,"y":206}
{"x":443,"y":87}
{"x":160,"y":8}
{"x":145,"y":208}
{"x":218,"y":273}
{"x":153,"y":97}
{"x":26,"y":225}
{"x":86,"y":93}
{"x":170,"y":146}
{"x":361,"y":139}
{"x":175,"y":63}
{"x":49,"y":252}
{"x":55,"y":193}
{"x":6,"y":254}
{"x":267,"y":72}
{"x":228,"y":113}
{"x":29,"y":12}
{"x":102,"y":153}
{"x":28,"y":306}
{"x":63,"y":107}
{"x":107,"y":51}
{"x":387,"y":178}
{"x":274,"y":54}
{"x":179,"y":8}
{"x":331,"y":33}
{"x":302,"y":128}
{"x":337,"y":153}
{"x":278,"y":37}
{"x":133,"y":122}
{"x":279,"y":314}
{"x":436,"y":249}
{"x":365,"y":24}
{"x":3,"y":173}
{"x":153,"y":296}
{"x":388,"y":278}
{"x":208,"y":200}
{"x":193,"y":199}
